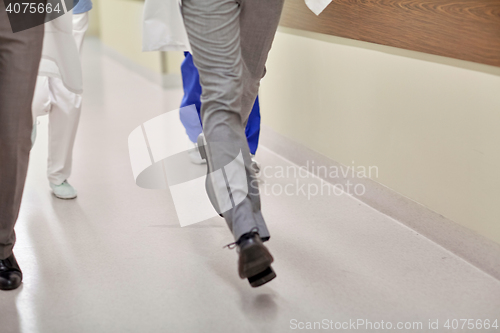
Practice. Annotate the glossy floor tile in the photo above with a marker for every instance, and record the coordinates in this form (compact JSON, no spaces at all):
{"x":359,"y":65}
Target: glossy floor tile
{"x":116,"y":259}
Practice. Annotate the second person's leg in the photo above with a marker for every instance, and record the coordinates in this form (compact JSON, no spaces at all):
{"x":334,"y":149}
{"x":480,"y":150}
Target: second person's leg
{"x":19,"y":60}
{"x":63,"y":123}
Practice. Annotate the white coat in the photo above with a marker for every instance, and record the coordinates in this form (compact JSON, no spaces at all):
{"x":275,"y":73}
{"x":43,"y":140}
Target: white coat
{"x":58,"y":90}
{"x":60,"y":54}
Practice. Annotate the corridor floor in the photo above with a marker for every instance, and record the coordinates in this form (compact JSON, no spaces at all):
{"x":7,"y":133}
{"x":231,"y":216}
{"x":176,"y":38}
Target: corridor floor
{"x":116,"y":259}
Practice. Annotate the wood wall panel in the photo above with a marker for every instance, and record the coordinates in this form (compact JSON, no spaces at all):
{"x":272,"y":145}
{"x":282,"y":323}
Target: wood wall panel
{"x":462,"y":29}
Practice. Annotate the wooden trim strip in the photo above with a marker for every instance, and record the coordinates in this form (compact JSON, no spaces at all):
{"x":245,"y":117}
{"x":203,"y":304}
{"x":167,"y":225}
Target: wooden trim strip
{"x":461,"y":29}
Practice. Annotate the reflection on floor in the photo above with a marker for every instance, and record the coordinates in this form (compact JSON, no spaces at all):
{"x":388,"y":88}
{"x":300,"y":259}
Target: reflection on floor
{"x":116,"y":260}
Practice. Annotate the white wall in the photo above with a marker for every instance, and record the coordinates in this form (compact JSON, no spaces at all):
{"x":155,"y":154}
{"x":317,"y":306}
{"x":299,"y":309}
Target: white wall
{"x":430,"y":124}
{"x":120,"y":28}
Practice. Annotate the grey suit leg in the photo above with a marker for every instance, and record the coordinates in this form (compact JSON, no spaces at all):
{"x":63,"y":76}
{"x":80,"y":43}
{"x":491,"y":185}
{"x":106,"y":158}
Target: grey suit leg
{"x":19,"y":60}
{"x":230,"y":41}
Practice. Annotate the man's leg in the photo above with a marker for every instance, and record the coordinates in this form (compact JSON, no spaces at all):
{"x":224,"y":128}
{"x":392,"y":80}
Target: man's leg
{"x":256,"y":41}
{"x":230,"y":72}
{"x":19,"y":59}
{"x":258,"y":24}
{"x":214,"y":31}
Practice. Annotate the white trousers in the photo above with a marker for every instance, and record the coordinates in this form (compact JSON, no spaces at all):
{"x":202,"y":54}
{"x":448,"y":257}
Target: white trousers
{"x":63,"y":107}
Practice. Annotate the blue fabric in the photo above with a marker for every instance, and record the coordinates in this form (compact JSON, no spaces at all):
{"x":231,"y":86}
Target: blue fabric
{"x":192,"y":95}
{"x":252,"y":130}
{"x":82,"y":6}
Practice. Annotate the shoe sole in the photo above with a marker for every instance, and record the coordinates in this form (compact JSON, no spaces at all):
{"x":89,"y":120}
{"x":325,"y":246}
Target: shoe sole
{"x":256,"y":259}
{"x":13,"y":287}
{"x":10,"y":285}
{"x":64,"y":198}
{"x":262,"y":278}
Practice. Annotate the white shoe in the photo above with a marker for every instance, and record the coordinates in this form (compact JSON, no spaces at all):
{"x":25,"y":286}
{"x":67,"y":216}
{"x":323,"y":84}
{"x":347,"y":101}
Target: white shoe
{"x":195,"y":157}
{"x":63,"y":191}
{"x":255,"y":165}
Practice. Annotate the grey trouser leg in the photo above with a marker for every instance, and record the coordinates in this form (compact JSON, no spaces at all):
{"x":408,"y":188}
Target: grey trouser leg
{"x":230,"y":41}
{"x":19,"y":59}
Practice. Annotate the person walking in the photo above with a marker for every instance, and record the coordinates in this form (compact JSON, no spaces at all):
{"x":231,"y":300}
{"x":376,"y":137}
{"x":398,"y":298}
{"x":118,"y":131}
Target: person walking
{"x":61,"y":99}
{"x":230,"y":41}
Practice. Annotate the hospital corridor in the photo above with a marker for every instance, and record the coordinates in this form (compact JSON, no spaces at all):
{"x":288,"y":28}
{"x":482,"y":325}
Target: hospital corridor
{"x":377,"y":169}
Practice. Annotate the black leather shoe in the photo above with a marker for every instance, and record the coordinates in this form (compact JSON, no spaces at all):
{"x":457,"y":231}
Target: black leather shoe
{"x":254,"y":257}
{"x":10,"y":273}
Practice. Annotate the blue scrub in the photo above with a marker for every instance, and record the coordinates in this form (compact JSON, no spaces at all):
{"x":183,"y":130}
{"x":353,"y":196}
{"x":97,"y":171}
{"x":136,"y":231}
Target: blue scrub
{"x":82,"y":6}
{"x":192,"y":95}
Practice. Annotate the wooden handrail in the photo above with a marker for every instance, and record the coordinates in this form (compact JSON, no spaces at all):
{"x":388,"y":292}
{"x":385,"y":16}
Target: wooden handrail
{"x":462,"y":29}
